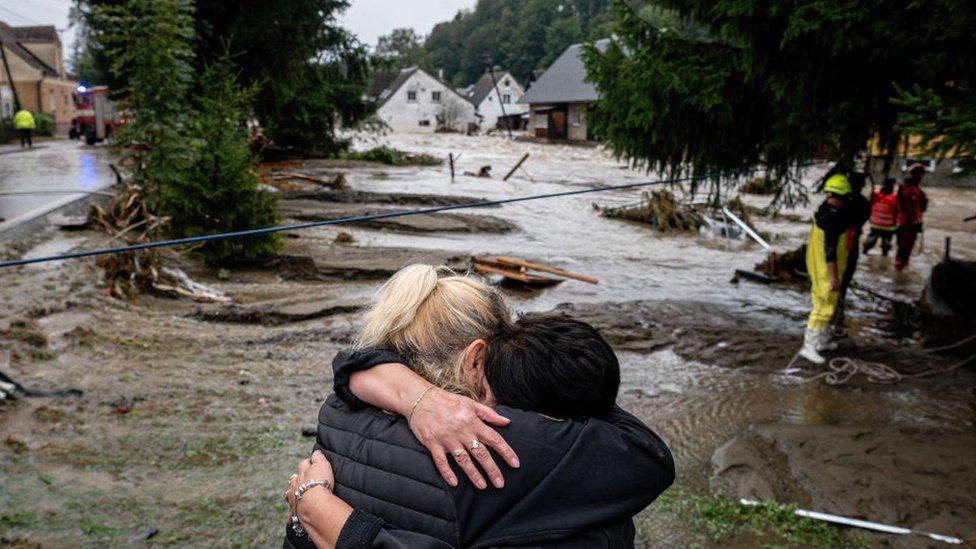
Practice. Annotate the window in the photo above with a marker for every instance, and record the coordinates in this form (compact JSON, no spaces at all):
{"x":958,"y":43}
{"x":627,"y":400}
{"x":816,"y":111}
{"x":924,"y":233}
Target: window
{"x":577,"y":116}
{"x":412,"y":96}
{"x":425,"y":123}
{"x":508,"y":83}
{"x":507,"y":99}
{"x":50,"y":101}
{"x":64,"y":102}
{"x":435,"y":96}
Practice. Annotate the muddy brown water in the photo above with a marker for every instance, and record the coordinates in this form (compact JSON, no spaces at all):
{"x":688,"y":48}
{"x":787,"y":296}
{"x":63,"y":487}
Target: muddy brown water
{"x":701,"y":360}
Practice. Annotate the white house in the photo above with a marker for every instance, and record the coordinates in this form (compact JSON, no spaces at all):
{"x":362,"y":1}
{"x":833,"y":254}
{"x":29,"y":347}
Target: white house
{"x":487,"y":102}
{"x":413,"y":101}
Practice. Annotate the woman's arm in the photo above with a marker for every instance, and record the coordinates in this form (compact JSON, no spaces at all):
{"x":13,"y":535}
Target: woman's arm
{"x":443,"y":422}
{"x":331,"y":522}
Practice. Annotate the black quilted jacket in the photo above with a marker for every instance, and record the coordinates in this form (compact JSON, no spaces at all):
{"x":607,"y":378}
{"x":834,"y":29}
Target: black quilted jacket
{"x":579,"y":485}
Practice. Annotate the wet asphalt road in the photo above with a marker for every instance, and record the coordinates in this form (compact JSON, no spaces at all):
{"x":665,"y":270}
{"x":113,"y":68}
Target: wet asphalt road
{"x":52,"y":169}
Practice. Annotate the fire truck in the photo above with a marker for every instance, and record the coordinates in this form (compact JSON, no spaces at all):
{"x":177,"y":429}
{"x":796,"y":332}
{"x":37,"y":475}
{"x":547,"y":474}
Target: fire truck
{"x":96,"y":118}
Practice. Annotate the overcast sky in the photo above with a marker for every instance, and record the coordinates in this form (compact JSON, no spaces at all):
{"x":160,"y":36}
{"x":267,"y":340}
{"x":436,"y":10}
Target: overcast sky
{"x":368,"y":19}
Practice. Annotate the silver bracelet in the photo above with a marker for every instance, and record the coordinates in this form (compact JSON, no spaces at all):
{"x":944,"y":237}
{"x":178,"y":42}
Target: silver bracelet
{"x":308,"y":486}
{"x":417,"y":402}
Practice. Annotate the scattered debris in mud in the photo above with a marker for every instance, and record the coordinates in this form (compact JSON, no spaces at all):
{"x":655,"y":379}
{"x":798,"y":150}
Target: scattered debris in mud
{"x":878,"y":474}
{"x":350,"y":196}
{"x":788,"y":267}
{"x":313,"y":262}
{"x":314,"y":210}
{"x":660,"y":210}
{"x":762,"y":186}
{"x":278,"y":313}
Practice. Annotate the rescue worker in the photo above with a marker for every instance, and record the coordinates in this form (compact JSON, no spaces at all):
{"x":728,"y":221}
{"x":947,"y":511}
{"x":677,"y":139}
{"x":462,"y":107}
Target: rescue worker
{"x":856,"y":211}
{"x":884,"y":217}
{"x":827,"y":250}
{"x":912,"y":205}
{"x":24,"y":125}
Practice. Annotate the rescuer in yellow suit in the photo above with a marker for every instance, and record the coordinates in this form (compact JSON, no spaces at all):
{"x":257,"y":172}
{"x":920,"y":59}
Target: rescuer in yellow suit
{"x":24,"y":125}
{"x":827,"y":253}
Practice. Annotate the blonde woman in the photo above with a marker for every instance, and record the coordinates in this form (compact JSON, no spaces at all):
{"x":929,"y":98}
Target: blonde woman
{"x":587,"y":466}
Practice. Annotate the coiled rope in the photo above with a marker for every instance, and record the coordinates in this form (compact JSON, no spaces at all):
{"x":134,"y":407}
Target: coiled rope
{"x":842,"y":370}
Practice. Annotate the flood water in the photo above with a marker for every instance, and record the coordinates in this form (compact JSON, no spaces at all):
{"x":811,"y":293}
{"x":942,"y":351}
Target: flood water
{"x":48,"y":169}
{"x":696,"y":406}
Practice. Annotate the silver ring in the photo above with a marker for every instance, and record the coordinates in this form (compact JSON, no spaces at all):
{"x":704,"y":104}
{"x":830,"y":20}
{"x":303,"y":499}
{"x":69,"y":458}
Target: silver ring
{"x":459,"y":452}
{"x":475,"y":444}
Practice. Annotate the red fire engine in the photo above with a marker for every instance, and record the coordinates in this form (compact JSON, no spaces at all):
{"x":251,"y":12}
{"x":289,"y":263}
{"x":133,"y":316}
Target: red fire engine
{"x":95,"y":118}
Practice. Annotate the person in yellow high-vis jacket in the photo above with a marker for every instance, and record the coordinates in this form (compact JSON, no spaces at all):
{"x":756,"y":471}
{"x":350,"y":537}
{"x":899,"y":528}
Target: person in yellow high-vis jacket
{"x":827,"y":252}
{"x":24,"y":125}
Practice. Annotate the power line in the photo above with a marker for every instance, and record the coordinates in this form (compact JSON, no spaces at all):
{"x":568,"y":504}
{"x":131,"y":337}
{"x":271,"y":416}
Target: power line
{"x":356,"y":219}
{"x":19,"y":16}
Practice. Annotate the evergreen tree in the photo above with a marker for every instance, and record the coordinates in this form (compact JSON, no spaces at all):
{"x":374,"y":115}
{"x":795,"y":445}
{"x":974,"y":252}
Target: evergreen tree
{"x":149,"y":44}
{"x":219,"y":192}
{"x":736,"y":83}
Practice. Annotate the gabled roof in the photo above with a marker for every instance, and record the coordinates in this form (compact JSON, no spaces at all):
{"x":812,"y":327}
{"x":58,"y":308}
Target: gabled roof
{"x":385,"y":84}
{"x":8,"y":37}
{"x":43,"y":33}
{"x":565,"y":81}
{"x":485,"y":86}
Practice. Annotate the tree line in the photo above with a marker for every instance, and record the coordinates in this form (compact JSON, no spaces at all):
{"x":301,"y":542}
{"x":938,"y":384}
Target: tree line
{"x":518,"y":35}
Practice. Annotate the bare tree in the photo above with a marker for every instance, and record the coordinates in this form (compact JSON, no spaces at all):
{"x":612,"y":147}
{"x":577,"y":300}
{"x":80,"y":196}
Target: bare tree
{"x":450,"y":113}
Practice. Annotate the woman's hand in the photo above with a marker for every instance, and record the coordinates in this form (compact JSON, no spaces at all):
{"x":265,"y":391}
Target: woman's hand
{"x":452,"y":424}
{"x":317,"y":468}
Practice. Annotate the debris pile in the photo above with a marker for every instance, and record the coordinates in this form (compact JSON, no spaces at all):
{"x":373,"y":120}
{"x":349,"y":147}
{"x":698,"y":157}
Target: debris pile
{"x":660,"y":210}
{"x":788,"y":267}
{"x":760,"y":186}
{"x":128,"y":220}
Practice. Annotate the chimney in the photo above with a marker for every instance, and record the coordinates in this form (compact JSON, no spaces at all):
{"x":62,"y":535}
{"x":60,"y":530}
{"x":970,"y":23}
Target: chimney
{"x":440,"y":74}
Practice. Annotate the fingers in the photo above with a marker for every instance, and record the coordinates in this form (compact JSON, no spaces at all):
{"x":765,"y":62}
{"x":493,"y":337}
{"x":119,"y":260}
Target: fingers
{"x":490,"y":438}
{"x":303,"y":466}
{"x":317,"y":457}
{"x":467,"y":465}
{"x":443,"y":466}
{"x":491,"y":416}
{"x":483,"y":457}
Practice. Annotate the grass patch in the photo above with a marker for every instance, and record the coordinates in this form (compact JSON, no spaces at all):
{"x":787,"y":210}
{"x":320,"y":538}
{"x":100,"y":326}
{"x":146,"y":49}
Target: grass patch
{"x":100,"y":530}
{"x":43,"y":356}
{"x":393,"y":157}
{"x":720,"y":519}
{"x":17,"y":519}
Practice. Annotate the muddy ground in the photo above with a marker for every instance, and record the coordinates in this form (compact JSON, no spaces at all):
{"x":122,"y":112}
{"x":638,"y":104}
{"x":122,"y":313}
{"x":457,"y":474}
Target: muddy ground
{"x":192,"y":414}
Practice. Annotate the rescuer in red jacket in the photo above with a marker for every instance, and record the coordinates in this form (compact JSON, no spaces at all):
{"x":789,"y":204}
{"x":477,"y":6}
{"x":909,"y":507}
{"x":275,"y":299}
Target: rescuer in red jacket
{"x":912,"y":205}
{"x":884,"y":217}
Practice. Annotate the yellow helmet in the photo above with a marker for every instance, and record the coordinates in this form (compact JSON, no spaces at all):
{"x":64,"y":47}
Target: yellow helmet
{"x":839,"y":185}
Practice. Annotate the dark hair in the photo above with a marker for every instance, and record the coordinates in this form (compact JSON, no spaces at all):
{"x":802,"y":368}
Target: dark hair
{"x":554,"y":365}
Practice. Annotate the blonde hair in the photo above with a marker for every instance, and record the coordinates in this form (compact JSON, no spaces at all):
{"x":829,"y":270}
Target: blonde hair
{"x":430,"y":315}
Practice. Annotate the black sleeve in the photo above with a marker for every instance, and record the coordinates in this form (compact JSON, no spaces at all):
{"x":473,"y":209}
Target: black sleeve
{"x":364,"y":530}
{"x":346,"y":363}
{"x":831,"y":222}
{"x":924,"y":201}
{"x":574,"y":476}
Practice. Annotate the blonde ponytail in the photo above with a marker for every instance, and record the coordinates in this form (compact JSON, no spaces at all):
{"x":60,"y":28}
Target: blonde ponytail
{"x":430,"y":315}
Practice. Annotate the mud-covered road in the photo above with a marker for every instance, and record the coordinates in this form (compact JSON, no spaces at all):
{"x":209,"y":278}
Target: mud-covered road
{"x":192,"y":413}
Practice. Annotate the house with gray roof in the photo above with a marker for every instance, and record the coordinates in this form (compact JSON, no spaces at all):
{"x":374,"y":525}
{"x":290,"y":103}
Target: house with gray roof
{"x":413,"y":101}
{"x":492,"y":105}
{"x":557,"y":100}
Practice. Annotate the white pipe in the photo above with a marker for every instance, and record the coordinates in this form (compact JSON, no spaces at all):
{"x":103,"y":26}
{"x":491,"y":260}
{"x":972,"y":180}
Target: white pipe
{"x":836,"y":519}
{"x":742,"y":224}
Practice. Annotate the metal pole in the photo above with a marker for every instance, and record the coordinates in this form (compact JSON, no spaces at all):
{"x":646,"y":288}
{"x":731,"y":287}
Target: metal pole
{"x":494,"y":82}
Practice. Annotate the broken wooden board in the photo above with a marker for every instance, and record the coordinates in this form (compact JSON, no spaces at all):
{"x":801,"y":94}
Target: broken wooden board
{"x":513,"y":274}
{"x":528,"y":265}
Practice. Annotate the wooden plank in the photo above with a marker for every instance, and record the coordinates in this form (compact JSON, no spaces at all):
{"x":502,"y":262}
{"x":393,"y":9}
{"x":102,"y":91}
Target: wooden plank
{"x":515,"y":262}
{"x":485,"y":266}
{"x":517,"y":166}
